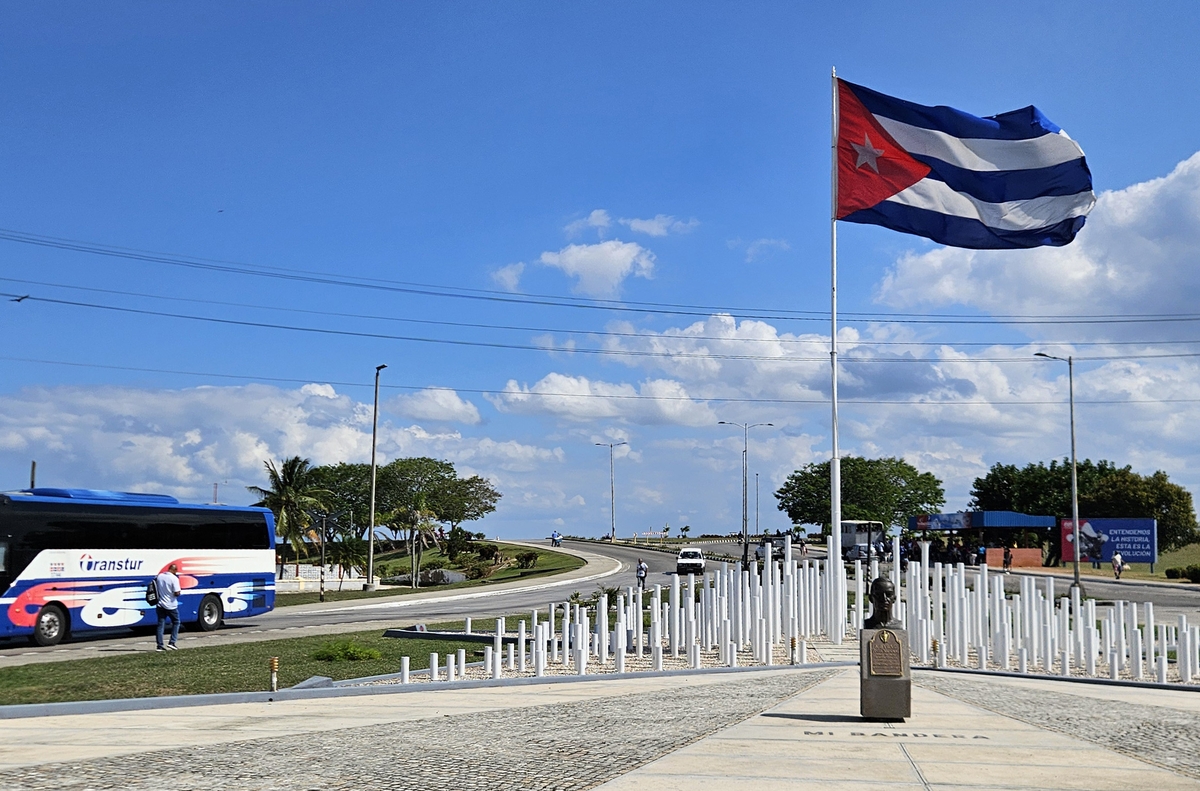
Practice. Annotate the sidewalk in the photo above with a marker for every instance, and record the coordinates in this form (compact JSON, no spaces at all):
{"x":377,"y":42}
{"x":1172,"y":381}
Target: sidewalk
{"x":792,"y":727}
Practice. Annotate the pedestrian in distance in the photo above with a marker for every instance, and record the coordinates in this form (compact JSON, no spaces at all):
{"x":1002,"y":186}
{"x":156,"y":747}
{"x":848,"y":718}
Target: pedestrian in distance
{"x":642,"y":571}
{"x":166,"y":584}
{"x":1007,"y":559}
{"x":1118,"y":564}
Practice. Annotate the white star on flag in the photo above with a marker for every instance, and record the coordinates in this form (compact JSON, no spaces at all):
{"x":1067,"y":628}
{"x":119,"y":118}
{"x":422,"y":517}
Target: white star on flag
{"x":867,"y":153}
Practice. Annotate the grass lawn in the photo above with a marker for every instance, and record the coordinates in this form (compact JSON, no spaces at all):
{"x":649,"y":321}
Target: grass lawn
{"x":548,"y":562}
{"x":227,"y":668}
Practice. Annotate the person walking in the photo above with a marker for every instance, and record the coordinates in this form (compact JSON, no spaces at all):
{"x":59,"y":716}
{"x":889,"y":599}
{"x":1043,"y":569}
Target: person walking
{"x":642,"y":571}
{"x":166,"y":585}
{"x":1118,"y":564}
{"x":1007,"y":558}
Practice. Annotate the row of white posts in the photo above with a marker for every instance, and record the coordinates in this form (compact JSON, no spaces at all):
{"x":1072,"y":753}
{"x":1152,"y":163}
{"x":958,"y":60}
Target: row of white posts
{"x":954,"y":614}
{"x":966,"y":614}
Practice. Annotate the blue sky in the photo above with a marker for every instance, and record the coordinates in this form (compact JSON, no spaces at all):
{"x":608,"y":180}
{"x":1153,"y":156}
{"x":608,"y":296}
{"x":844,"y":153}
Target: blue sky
{"x":666,"y":153}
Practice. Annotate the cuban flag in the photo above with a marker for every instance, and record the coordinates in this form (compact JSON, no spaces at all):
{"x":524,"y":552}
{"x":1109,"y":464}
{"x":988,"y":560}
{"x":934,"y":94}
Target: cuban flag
{"x":1013,"y":180}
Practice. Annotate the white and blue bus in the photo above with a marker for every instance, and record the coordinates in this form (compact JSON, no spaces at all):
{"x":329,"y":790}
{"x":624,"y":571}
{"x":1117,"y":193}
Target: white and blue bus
{"x":80,"y":559}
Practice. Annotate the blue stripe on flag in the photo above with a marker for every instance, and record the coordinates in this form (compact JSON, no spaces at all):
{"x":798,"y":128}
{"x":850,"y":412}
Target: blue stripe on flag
{"x":1000,"y":186}
{"x":1024,"y":124}
{"x":961,"y":231}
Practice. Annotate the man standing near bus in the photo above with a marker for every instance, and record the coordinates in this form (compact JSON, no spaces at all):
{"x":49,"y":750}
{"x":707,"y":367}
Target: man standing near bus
{"x":167,"y":586}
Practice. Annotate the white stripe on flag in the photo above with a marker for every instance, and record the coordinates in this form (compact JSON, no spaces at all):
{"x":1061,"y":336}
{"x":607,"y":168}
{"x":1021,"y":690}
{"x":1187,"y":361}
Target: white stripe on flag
{"x":980,"y":154}
{"x":1022,"y":215}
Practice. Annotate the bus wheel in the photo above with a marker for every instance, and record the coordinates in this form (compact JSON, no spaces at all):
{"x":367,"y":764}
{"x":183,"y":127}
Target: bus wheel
{"x":210,"y":614}
{"x":51,"y":626}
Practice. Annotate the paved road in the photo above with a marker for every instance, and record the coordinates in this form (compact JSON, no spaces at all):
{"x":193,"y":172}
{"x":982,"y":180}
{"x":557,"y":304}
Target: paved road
{"x":331,"y":617}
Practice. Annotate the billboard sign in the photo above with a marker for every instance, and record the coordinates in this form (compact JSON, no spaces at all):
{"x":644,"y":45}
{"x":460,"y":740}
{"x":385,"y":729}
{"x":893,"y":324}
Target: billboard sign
{"x":958,"y":521}
{"x":1135,"y":539}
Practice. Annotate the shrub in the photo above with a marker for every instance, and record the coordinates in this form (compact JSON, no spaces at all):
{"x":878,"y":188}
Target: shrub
{"x":476,"y":569}
{"x":1192,"y":573}
{"x":433,"y":564}
{"x":345,"y":651}
{"x":487,"y":551}
{"x":1174,"y":573}
{"x":527,"y":559}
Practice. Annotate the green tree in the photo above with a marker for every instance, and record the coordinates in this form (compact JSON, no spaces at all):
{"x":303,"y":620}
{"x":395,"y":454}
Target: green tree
{"x":292,"y":489}
{"x":464,"y":500}
{"x":349,"y":488}
{"x":887,"y":490}
{"x":1105,"y":490}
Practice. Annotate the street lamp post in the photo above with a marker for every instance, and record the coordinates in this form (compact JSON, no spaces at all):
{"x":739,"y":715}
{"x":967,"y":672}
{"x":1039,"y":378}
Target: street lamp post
{"x":612,"y":487}
{"x":1070,"y":361}
{"x":745,"y":427}
{"x":371,"y":524}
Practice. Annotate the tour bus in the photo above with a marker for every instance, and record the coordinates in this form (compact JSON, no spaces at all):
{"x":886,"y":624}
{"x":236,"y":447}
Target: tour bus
{"x":73,"y":560}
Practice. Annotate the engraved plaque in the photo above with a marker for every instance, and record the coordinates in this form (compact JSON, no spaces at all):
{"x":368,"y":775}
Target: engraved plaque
{"x":884,"y":652}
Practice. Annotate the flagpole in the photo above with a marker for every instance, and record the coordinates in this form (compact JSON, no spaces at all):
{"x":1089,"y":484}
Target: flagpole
{"x":835,"y":464}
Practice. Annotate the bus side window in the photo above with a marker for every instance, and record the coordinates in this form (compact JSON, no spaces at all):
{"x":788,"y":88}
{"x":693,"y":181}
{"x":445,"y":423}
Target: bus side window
{"x":3,"y":557}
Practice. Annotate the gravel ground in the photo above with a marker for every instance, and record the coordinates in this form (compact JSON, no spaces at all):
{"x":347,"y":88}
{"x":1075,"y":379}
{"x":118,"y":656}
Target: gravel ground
{"x":560,"y":746}
{"x":1160,"y":735}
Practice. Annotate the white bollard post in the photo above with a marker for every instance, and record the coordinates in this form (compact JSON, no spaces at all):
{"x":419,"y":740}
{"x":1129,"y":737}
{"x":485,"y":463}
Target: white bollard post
{"x":433,"y":667}
{"x":657,"y":652}
{"x":1022,"y":661}
{"x":521,"y":643}
{"x":462,"y":663}
{"x":1114,"y":669}
{"x":404,"y":670}
{"x":450,"y":675}
{"x":468,"y":626}
{"x":488,"y":664}
{"x":804,"y":652}
{"x":511,"y":662}
{"x":1161,"y":667}
{"x":1135,"y":654}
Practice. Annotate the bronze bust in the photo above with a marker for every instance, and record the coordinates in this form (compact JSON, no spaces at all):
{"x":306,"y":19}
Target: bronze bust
{"x":883,"y":596}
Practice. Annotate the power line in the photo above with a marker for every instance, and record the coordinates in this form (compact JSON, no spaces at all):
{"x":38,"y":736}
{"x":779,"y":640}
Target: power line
{"x":613,"y":396}
{"x":433,"y":290}
{"x":572,"y":331}
{"x":846,"y":359}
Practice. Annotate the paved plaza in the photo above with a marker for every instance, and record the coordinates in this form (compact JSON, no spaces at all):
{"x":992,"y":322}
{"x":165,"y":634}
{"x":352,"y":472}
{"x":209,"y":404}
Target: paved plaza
{"x":757,"y":729}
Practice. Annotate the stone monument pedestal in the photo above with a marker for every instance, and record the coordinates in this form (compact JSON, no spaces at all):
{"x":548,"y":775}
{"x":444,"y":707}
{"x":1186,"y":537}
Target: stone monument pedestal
{"x":885,"y":682}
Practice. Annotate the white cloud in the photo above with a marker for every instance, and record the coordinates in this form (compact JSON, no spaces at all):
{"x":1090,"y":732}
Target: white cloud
{"x":598,"y":219}
{"x":180,"y":441}
{"x":509,"y":277}
{"x":761,"y":248}
{"x":1137,"y":254}
{"x":660,"y":225}
{"x":577,"y":398}
{"x":600,"y":268}
{"x":436,"y":403}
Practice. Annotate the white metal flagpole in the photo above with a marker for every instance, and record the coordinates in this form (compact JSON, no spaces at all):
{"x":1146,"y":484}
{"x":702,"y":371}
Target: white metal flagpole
{"x":835,"y":467}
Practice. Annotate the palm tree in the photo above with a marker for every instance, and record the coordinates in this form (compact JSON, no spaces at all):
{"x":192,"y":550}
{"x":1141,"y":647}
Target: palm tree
{"x":420,"y":522}
{"x":292,"y":491}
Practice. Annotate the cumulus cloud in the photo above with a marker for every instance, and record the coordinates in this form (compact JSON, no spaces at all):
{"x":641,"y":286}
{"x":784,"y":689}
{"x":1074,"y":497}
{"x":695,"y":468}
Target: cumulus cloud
{"x":578,"y":398}
{"x":1135,"y":255}
{"x":598,"y":219}
{"x":509,"y":277}
{"x":180,"y":441}
{"x":761,"y":248}
{"x":660,"y":225}
{"x":436,"y":403}
{"x":599,"y":269}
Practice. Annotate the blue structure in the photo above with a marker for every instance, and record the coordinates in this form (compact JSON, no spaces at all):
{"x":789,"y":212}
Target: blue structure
{"x":975,"y":520}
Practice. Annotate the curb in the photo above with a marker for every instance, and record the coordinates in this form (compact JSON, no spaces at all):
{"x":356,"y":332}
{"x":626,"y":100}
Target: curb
{"x":1104,"y":682}
{"x":27,"y":710}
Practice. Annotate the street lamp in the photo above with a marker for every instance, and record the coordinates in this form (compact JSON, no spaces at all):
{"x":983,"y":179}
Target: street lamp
{"x":1070,"y":361}
{"x":371,"y":525}
{"x":612,"y":487}
{"x":745,"y":427}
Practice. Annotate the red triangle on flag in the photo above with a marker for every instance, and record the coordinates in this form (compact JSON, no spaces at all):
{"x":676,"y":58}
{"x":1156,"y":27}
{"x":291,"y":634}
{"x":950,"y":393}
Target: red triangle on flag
{"x":871,"y":165}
